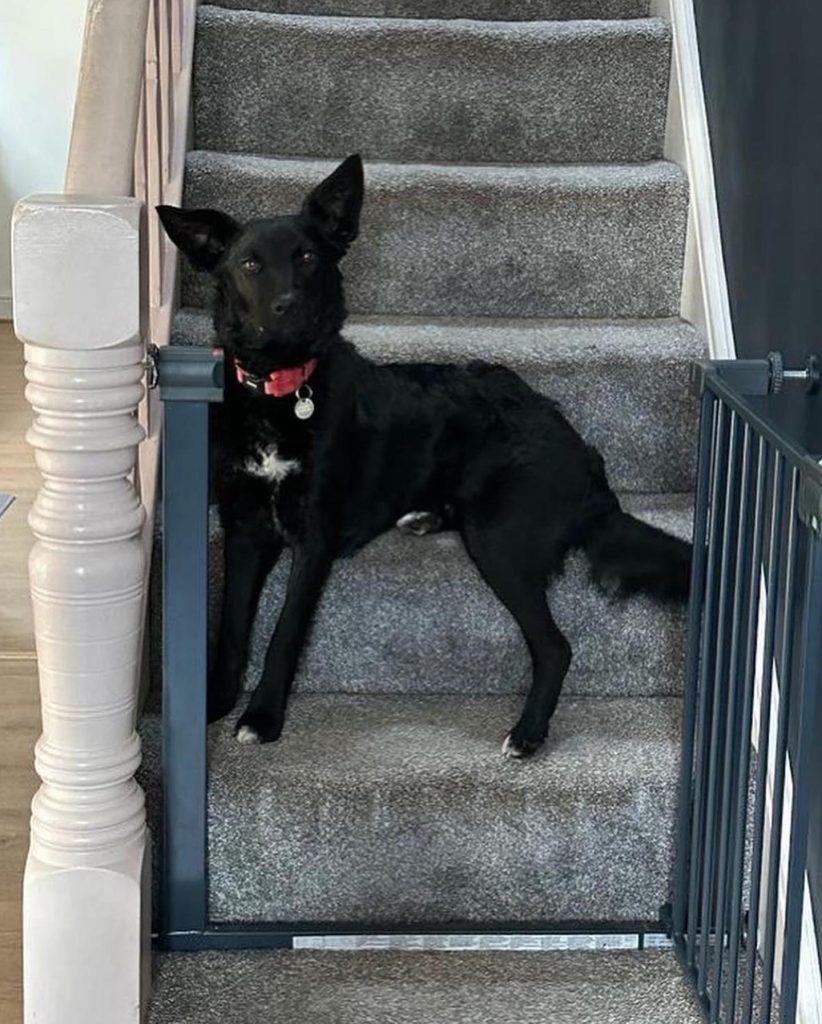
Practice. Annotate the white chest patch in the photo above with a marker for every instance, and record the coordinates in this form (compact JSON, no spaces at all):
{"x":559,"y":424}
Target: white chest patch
{"x":269,"y":465}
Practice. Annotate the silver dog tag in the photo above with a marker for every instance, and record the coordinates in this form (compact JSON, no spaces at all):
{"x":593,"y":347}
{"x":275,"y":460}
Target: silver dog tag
{"x":304,"y":407}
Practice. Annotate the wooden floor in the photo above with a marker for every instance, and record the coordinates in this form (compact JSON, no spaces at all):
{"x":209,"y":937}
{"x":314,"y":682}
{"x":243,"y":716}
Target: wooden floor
{"x":19,"y":706}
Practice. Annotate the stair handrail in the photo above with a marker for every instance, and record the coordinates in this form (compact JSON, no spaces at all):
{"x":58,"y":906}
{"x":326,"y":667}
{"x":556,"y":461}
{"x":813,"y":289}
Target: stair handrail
{"x":108,"y":98}
{"x":92,"y":284}
{"x":130,"y":124}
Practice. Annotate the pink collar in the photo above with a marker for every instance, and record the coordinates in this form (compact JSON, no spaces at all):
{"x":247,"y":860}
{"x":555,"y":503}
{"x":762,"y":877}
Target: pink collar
{"x":280,"y":382}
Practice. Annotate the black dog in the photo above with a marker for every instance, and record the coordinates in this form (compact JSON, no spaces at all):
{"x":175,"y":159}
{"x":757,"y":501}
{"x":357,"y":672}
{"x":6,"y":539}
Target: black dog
{"x":324,"y":450}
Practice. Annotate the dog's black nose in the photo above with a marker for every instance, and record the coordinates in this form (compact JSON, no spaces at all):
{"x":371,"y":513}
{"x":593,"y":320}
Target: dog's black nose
{"x":282,"y":303}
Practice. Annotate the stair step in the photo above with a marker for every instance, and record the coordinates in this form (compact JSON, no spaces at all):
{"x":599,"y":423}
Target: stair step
{"x":489,"y":10}
{"x":543,"y":241}
{"x":617,"y":987}
{"x":412,"y":615}
{"x":624,"y":385}
{"x":420,"y":90}
{"x":402,"y":811}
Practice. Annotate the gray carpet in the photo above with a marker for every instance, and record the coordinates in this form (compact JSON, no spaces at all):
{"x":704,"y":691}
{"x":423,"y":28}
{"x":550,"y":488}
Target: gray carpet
{"x":422,"y":988}
{"x":402,"y":810}
{"x":490,"y":10}
{"x":447,"y":240}
{"x":641,"y":369}
{"x":415,"y":90}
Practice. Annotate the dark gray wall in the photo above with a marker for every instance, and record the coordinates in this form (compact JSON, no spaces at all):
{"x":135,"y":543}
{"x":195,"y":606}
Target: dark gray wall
{"x":762,"y":73}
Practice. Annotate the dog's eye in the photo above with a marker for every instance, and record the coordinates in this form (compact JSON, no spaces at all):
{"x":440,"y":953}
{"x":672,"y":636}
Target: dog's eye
{"x":308,"y":257}
{"x":250,"y":264}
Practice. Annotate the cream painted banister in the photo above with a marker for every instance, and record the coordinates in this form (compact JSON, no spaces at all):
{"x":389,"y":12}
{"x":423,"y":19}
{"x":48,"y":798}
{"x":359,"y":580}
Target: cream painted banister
{"x":86,"y":888}
{"x":101,"y":151}
{"x":87,"y":286}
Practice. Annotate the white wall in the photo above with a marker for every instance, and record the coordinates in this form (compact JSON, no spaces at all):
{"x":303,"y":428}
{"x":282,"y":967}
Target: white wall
{"x":40,"y":44}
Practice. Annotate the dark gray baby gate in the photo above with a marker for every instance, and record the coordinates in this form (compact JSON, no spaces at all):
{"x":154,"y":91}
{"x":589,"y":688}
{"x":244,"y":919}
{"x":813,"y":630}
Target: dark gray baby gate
{"x":758,"y":556}
{"x":756,"y":600}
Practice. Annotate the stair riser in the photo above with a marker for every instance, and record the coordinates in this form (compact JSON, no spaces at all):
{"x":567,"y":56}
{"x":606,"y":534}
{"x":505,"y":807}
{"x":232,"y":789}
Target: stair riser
{"x":429,"y":624}
{"x":533,"y":872}
{"x":489,"y":10}
{"x":593,"y":242}
{"x":636,"y":408}
{"x":412,"y":615}
{"x":425,"y":846}
{"x":573,"y":92}
{"x":624,"y":387}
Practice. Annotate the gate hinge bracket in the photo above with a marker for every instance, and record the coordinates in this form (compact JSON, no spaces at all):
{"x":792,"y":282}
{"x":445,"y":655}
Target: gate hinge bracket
{"x":185,"y":374}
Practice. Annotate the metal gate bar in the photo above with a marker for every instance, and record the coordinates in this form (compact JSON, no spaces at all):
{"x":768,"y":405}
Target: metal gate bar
{"x":754,"y":484}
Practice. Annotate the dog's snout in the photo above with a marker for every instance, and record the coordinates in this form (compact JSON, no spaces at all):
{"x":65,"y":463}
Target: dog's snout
{"x":282,"y":303}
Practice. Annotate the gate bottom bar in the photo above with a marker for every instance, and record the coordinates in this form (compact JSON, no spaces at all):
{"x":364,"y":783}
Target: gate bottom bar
{"x":270,"y":936}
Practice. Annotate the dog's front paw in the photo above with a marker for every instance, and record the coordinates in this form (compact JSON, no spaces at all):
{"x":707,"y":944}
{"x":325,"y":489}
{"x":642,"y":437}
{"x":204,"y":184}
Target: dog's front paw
{"x":521,"y":742}
{"x":256,"y":725}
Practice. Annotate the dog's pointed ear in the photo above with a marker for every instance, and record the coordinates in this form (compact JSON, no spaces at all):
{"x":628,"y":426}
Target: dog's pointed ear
{"x":334,"y":205}
{"x":201,"y":235}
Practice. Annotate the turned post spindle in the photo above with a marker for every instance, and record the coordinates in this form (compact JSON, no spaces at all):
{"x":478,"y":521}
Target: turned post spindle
{"x":78,"y":303}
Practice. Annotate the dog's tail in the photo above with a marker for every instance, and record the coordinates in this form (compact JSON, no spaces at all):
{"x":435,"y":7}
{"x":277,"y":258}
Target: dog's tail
{"x":629,"y":556}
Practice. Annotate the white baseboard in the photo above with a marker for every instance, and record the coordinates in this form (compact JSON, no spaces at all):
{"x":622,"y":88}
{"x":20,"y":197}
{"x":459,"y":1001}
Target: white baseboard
{"x":687,"y":142}
{"x":5,"y":307}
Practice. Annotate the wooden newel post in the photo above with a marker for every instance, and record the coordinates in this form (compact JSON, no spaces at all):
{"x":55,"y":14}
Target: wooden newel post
{"x":77,"y":307}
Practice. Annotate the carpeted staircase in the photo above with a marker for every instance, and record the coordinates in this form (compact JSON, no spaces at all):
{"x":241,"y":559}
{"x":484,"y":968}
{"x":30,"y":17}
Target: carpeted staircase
{"x":517,"y":209}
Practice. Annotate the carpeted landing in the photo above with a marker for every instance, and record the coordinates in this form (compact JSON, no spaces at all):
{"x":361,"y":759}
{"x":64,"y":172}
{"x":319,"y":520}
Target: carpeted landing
{"x":288,"y":987}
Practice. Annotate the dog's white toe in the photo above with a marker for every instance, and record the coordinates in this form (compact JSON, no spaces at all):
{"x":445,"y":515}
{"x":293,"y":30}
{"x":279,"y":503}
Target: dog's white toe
{"x":419,"y":523}
{"x":510,"y":751}
{"x":408,"y":520}
{"x":245,"y":734}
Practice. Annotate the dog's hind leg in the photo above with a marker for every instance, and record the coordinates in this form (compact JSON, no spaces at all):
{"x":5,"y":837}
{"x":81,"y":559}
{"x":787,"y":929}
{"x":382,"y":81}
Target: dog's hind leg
{"x":249,"y":557}
{"x":509,"y":568}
